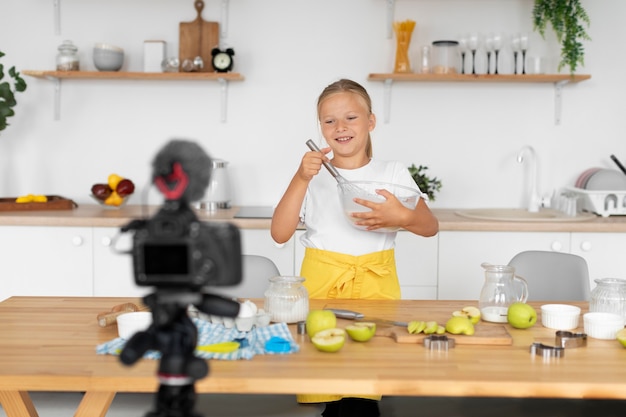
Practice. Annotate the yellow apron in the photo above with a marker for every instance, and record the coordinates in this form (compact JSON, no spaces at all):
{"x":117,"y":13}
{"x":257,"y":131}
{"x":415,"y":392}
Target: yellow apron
{"x":332,"y":275}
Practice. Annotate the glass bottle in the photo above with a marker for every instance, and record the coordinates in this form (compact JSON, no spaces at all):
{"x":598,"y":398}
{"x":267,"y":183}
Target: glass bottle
{"x":287,"y":300}
{"x":609,"y":296}
{"x":67,"y":58}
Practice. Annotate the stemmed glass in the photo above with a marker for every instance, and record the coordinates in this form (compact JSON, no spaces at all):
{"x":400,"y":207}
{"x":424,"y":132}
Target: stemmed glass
{"x":497,"y":45}
{"x":463,"y":48}
{"x":489,"y":49}
{"x":472,"y":43}
{"x":515,"y":45}
{"x":523,"y":44}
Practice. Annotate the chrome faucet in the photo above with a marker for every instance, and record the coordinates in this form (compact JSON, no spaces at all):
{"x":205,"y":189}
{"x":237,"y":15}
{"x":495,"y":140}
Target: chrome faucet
{"x":534,"y":200}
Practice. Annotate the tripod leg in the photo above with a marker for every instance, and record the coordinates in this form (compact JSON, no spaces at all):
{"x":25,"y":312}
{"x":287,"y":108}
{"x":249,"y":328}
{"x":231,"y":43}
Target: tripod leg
{"x":175,"y":401}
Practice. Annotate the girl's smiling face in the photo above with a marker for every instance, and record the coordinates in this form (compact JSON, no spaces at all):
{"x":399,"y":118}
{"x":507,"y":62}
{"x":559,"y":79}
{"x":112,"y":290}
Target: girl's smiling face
{"x":346,"y":122}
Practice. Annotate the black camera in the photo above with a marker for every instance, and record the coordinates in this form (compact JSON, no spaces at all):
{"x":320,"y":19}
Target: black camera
{"x":174,"y":249}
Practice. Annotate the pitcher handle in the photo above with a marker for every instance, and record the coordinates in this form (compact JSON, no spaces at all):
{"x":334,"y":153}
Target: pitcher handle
{"x":524,"y":285}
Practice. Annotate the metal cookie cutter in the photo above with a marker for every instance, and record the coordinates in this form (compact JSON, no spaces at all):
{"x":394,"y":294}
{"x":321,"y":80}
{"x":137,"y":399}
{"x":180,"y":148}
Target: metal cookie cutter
{"x":568,"y":340}
{"x":547,"y":351}
{"x":438,"y":342}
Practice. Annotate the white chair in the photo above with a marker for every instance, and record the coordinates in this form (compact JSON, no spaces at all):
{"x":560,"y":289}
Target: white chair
{"x":553,"y":276}
{"x":257,"y":270}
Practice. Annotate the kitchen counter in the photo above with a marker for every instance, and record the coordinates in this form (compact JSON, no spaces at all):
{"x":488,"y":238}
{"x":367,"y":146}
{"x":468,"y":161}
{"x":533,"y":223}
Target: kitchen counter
{"x":93,"y":215}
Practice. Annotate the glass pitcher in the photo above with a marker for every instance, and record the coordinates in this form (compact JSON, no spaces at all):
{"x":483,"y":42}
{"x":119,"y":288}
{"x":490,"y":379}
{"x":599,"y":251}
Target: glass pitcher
{"x":501,"y":289}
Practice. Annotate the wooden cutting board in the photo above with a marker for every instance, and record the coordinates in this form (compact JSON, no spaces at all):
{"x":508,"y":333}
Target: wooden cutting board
{"x":484,"y":334}
{"x":198,"y":38}
{"x":54,"y":202}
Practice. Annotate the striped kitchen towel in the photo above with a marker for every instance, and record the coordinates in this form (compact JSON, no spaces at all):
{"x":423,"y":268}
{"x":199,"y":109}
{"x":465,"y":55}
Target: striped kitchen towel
{"x":251,"y":343}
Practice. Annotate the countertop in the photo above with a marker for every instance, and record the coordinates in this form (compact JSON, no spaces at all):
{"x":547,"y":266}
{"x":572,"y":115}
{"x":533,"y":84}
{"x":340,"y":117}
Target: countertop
{"x":93,"y":215}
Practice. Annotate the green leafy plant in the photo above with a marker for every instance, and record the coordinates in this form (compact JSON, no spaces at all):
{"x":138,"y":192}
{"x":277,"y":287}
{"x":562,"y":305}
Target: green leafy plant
{"x":425,"y":183}
{"x":8,"y":88}
{"x":568,"y":19}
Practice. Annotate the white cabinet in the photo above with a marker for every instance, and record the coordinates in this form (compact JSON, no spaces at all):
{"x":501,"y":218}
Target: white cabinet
{"x":416,"y":263}
{"x":604,"y":253}
{"x":461,"y":253}
{"x":38,"y":260}
{"x":260,"y":242}
{"x":113,"y":271}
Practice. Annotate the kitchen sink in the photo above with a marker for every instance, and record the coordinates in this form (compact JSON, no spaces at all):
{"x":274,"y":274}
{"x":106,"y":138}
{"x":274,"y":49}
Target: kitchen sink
{"x":522,"y":215}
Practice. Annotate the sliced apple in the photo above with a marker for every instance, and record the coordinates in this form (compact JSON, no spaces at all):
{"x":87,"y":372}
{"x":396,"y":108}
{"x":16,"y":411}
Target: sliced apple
{"x":361,"y":331}
{"x":431,"y":327}
{"x":460,"y":325}
{"x":416,"y":327}
{"x":329,"y":340}
{"x":471,"y":312}
{"x":621,"y":337}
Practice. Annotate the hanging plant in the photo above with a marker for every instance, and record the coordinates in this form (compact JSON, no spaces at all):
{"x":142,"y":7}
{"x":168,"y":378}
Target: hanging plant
{"x":568,"y":19}
{"x":425,"y":183}
{"x":7,"y":93}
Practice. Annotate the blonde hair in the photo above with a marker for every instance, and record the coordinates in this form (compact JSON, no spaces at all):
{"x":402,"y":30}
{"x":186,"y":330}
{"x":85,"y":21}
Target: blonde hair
{"x":348,"y":86}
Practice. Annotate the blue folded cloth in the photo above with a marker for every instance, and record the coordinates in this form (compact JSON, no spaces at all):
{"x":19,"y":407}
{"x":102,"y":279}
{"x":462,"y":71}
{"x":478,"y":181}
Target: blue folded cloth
{"x":251,"y":343}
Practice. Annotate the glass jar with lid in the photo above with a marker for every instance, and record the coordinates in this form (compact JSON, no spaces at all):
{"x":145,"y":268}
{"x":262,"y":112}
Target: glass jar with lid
{"x":67,"y":58}
{"x":287,"y":300}
{"x":609,"y":296}
{"x":445,"y":57}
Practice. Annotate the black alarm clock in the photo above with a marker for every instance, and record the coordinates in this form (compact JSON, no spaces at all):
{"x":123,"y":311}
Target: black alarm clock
{"x":222,"y":59}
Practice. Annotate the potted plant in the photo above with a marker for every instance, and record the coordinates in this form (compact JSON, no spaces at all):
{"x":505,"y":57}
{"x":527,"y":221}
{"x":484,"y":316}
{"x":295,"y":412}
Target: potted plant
{"x":8,"y":88}
{"x":426,"y":184}
{"x":568,"y":19}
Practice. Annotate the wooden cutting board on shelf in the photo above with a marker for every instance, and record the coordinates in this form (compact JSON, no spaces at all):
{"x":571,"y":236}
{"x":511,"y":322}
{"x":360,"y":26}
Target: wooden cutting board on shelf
{"x":54,"y":202}
{"x":484,"y":334}
{"x":198,"y":38}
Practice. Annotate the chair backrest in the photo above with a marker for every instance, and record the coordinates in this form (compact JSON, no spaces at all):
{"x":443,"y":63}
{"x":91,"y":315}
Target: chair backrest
{"x":257,"y":270}
{"x":553,"y":276}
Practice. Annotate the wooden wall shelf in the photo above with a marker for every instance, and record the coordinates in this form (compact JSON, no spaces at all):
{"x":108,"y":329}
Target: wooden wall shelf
{"x":56,"y":76}
{"x":559,"y":80}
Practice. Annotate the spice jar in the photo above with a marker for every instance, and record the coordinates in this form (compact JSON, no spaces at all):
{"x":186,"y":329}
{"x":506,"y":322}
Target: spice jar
{"x":445,"y":57}
{"x":286,"y":299}
{"x":67,"y":58}
{"x":609,"y":296}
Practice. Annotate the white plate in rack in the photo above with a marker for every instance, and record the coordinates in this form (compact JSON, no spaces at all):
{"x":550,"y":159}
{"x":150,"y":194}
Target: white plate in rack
{"x":606,"y":179}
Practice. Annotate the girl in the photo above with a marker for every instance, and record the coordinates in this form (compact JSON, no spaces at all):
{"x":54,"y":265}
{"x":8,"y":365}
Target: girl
{"x":340,"y":260}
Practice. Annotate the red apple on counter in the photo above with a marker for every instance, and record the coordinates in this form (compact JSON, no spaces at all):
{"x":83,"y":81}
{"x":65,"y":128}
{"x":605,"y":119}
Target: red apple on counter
{"x":101,"y":191}
{"x":125,"y":187}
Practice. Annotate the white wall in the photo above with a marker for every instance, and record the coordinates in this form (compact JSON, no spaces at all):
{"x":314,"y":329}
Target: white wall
{"x":288,"y":51}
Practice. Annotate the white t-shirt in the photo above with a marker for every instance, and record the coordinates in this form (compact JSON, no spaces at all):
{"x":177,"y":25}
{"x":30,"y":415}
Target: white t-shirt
{"x":327,"y":228}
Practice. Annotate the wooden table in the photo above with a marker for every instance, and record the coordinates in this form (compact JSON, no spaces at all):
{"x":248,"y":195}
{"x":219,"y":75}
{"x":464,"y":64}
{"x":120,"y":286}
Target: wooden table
{"x":48,"y":344}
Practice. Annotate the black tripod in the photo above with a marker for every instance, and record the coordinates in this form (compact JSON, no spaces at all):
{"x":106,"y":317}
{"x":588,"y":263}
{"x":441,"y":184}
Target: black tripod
{"x":174,"y":335}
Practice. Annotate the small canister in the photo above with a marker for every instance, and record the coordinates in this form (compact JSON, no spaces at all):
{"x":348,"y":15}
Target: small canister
{"x":217,"y":195}
{"x":445,"y":57}
{"x":67,"y":58}
{"x":287,"y":300}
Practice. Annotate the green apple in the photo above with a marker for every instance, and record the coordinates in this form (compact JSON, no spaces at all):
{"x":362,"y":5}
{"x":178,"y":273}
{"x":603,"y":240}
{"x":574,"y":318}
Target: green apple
{"x":416,"y":326}
{"x":440,"y":329}
{"x":361,"y":331}
{"x":521,"y":315}
{"x":460,"y":325}
{"x":621,"y":337}
{"x":431,"y":327}
{"x":318,"y":320}
{"x":471,"y":312}
{"x":329,"y":340}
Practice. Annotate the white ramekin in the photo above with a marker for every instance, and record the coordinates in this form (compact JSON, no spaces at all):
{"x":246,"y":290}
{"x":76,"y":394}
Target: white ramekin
{"x":560,"y":316}
{"x":603,"y":325}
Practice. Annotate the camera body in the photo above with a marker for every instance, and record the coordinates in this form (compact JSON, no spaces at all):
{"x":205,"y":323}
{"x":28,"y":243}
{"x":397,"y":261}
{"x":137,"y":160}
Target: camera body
{"x":174,"y":249}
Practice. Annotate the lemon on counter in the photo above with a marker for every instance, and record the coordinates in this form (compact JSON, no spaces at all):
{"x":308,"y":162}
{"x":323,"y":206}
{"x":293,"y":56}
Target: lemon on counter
{"x":31,"y":198}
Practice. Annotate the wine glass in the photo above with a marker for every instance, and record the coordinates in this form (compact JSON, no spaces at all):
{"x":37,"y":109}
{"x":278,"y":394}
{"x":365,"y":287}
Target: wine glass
{"x":489,"y":49}
{"x":463,"y":48}
{"x":523,"y":44}
{"x":472,"y":43}
{"x":497,"y":45}
{"x":515,"y":46}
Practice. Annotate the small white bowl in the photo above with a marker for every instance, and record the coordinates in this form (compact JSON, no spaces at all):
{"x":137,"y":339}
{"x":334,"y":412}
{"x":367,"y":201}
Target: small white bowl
{"x":603,"y":325}
{"x":560,"y":316}
{"x":108,"y":57}
{"x":130,"y":323}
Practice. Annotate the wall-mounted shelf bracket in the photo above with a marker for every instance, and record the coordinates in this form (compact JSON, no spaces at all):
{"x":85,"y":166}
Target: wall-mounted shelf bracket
{"x":224,"y":20}
{"x":390,"y":15}
{"x":387,"y":99}
{"x":223,"y":98}
{"x":57,"y":16}
{"x":558,"y":98}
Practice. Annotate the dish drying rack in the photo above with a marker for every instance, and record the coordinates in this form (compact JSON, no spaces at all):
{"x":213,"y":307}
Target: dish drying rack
{"x":603,"y":203}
